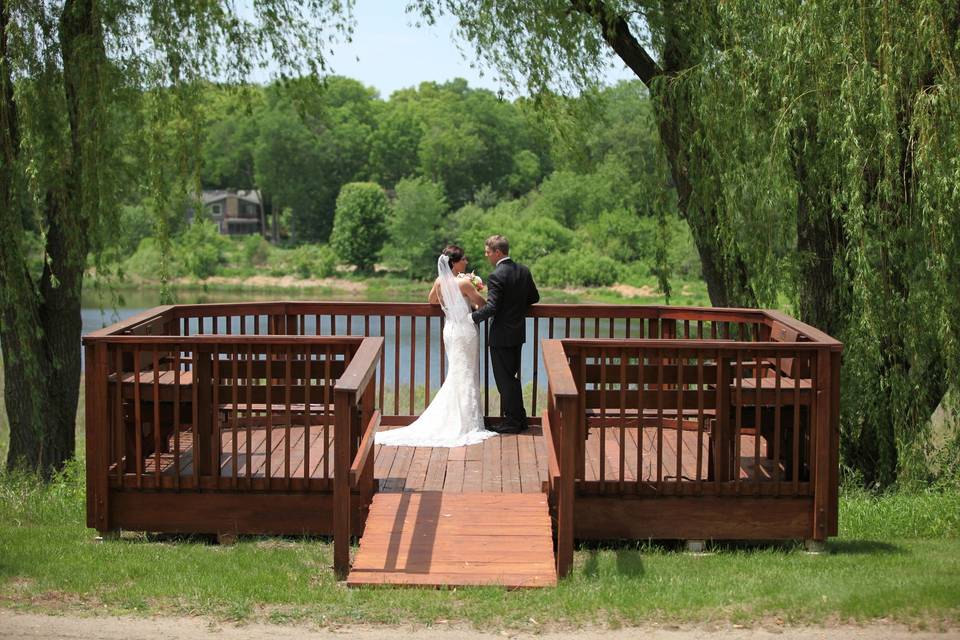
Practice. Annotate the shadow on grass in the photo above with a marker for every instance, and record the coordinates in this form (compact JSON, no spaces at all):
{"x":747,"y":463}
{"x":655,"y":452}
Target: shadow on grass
{"x":628,"y":562}
{"x":865,"y":547}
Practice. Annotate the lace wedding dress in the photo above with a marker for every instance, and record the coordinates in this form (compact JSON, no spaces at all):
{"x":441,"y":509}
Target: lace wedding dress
{"x":453,"y":418}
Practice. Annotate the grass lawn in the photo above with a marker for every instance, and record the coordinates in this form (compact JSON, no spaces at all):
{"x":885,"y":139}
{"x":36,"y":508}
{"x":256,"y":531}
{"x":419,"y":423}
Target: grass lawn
{"x":898,"y":558}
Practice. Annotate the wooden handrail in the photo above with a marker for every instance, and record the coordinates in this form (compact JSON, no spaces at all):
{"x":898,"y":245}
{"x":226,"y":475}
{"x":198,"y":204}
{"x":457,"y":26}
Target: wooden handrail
{"x":693,"y":344}
{"x":136,"y":319}
{"x":362,"y":365}
{"x":817,"y":336}
{"x":219,"y":338}
{"x":366,"y":446}
{"x":558,"y":369}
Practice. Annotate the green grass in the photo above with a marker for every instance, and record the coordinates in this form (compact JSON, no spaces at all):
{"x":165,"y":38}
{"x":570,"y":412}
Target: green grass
{"x":898,"y":557}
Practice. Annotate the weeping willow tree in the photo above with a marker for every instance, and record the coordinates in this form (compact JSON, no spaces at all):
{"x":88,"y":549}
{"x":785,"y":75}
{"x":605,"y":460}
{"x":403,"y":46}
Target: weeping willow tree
{"x":839,"y":123}
{"x":562,"y":45}
{"x":98,"y":99}
{"x":814,"y":148}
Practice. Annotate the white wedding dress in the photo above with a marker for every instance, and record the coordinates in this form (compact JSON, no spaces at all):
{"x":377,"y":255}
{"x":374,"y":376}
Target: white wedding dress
{"x":453,"y":418}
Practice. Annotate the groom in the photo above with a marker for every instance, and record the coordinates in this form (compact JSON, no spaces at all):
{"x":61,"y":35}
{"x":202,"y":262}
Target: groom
{"x":510,"y":292}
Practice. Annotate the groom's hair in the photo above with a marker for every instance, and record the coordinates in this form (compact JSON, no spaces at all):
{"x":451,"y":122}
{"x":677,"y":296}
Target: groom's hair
{"x":498,"y":243}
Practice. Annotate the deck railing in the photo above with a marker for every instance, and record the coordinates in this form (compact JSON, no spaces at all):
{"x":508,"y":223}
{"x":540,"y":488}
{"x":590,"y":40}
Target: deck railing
{"x":696,"y":417}
{"x":748,"y":399}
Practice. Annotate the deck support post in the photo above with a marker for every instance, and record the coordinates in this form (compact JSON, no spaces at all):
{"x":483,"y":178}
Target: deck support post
{"x":820,"y":447}
{"x":107,"y":536}
{"x":815,"y":547}
{"x":569,"y":442}
{"x":696,"y":546}
{"x":344,"y":409}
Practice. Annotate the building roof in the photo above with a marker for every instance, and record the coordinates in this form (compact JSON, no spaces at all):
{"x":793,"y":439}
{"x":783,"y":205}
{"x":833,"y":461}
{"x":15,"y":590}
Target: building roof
{"x":215,"y":195}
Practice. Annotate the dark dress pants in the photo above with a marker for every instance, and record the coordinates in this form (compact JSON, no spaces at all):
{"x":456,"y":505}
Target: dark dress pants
{"x":506,"y":371}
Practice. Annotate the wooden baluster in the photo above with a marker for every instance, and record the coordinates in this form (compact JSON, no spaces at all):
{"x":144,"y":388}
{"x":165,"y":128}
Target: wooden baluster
{"x":396,"y":365}
{"x":602,"y":431}
{"x":215,"y":438}
{"x":776,"y":423}
{"x":623,"y":420}
{"x":427,"y":354}
{"x":757,"y":423}
{"x":413,"y":364}
{"x":327,"y":401}
{"x":659,"y":421}
{"x":738,"y":423}
{"x":536,"y":363}
{"x":288,"y":383}
{"x":268,"y":434}
{"x":680,"y":435}
{"x":307,"y":386}
{"x":235,"y":418}
{"x":596,"y":327}
{"x":249,"y":432}
{"x":176,"y":418}
{"x":383,"y":359}
{"x":118,"y":420}
{"x":138,"y":418}
{"x":801,"y":366}
{"x":581,"y":422}
{"x":700,"y":404}
{"x":155,"y":362}
{"x":640,"y":402}
{"x":195,"y":426}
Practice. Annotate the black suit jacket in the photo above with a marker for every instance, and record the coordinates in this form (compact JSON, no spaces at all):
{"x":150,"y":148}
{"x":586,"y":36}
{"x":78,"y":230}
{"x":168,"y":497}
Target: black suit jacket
{"x":510,"y":292}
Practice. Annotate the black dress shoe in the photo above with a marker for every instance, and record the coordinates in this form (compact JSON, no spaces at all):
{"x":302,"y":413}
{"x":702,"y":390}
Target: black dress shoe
{"x":504,"y":429}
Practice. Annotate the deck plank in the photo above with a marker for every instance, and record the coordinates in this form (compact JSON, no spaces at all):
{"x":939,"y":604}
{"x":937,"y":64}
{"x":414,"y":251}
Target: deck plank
{"x":446,"y":539}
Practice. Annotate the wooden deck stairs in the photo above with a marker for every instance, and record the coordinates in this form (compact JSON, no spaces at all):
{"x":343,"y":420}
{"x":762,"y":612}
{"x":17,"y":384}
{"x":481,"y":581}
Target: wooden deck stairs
{"x":431,"y":538}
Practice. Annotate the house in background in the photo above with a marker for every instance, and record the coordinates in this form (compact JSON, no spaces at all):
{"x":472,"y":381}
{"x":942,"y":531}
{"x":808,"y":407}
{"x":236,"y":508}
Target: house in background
{"x":235,"y":212}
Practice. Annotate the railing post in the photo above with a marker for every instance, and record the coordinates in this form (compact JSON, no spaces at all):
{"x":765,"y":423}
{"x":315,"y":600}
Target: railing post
{"x":822,"y":440}
{"x":721,"y":439}
{"x":98,"y":438}
{"x":569,"y":443}
{"x":344,"y":410}
{"x":203,"y":378}
{"x":834,"y":443}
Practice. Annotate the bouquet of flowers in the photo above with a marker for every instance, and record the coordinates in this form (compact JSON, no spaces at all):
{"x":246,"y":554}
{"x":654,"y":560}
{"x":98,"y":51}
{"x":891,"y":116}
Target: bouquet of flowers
{"x":474,"y":279}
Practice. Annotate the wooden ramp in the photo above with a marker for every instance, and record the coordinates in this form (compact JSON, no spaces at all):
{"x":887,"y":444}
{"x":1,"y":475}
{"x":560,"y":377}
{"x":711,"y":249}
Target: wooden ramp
{"x":456,"y":539}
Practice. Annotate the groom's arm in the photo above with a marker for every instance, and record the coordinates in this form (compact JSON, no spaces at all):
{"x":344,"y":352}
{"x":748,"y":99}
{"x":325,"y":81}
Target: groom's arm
{"x":534,"y":296}
{"x":494,"y":289}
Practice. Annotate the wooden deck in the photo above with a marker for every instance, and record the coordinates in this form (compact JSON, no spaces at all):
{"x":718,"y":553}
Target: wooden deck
{"x":432,"y":538}
{"x":505,"y":464}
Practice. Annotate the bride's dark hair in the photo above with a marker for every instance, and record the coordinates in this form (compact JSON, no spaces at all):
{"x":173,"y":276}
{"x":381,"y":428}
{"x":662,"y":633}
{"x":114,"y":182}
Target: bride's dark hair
{"x":454,"y":253}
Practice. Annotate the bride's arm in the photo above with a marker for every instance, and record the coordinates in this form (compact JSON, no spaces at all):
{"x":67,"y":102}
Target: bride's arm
{"x":434,"y":295}
{"x":472,"y":295}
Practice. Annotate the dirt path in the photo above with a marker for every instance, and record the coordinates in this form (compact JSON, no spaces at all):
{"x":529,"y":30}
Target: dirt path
{"x":40,"y":627}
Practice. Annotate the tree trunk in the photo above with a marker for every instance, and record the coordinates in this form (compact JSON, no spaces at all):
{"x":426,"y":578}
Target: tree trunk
{"x":41,"y":324}
{"x":723,"y":268}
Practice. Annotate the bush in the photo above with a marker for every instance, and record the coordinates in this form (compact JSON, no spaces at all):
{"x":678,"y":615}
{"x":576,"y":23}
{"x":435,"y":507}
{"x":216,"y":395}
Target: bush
{"x":577,"y":268}
{"x":359,"y":226}
{"x":200,"y":249}
{"x":255,"y":250}
{"x":313,"y":261}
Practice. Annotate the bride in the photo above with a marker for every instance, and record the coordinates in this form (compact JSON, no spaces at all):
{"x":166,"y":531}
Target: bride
{"x":454,"y":418}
